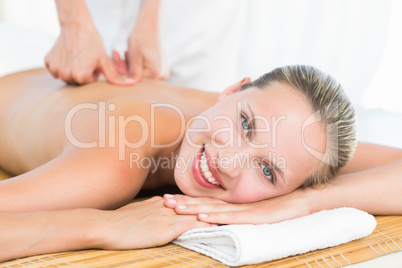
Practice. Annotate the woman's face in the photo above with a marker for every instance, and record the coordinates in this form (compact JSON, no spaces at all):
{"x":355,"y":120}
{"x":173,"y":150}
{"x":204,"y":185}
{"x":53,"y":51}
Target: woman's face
{"x":250,"y":146}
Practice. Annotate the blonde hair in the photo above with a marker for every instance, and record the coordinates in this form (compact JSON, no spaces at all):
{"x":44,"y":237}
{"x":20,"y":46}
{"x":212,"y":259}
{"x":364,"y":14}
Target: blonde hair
{"x":332,"y":106}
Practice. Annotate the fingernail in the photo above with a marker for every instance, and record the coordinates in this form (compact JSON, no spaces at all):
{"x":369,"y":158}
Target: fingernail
{"x":169,"y":196}
{"x":181,"y":206}
{"x":129,"y":80}
{"x":214,"y":225}
{"x":203,"y":215}
{"x":172,"y":201}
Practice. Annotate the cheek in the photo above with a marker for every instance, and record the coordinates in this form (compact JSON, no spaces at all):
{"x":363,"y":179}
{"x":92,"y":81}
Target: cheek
{"x":184,"y":161}
{"x":252,"y":192}
{"x":181,"y":178}
{"x":223,"y":134}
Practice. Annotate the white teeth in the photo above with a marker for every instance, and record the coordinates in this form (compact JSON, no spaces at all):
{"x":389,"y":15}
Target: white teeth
{"x":213,"y":181}
{"x":208,"y":174}
{"x":205,"y":170}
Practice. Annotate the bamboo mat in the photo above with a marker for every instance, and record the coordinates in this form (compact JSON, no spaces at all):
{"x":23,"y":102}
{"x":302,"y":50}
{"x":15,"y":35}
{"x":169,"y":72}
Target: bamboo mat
{"x":386,"y":238}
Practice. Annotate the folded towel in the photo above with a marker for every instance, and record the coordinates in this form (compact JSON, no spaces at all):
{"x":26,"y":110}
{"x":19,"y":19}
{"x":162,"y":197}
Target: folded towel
{"x":236,"y":245}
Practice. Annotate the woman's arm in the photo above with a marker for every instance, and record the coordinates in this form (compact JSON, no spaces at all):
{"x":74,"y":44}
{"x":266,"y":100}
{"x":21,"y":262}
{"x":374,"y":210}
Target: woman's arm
{"x":79,"y":178}
{"x":30,"y":233}
{"x":372,"y":182}
{"x":377,"y":190}
{"x":369,"y":155}
{"x":130,"y":227}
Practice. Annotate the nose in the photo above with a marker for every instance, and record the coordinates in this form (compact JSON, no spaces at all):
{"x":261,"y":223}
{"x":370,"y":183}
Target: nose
{"x":232,"y":162}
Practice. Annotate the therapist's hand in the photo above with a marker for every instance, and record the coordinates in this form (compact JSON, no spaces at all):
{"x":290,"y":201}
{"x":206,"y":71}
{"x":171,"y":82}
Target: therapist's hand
{"x":79,"y":57}
{"x":293,"y":205}
{"x":144,"y":55}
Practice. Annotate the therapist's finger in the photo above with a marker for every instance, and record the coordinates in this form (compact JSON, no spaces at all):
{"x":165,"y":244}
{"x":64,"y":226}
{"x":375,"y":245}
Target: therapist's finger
{"x":135,"y":67}
{"x":119,"y":64}
{"x":126,"y":59}
{"x":52,"y":68}
{"x":152,"y":68}
{"x":112,"y":76}
{"x":66,"y":76}
{"x":165,"y":73}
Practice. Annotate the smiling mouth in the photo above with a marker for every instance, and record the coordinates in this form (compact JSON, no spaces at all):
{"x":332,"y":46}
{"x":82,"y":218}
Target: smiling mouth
{"x":205,"y":169}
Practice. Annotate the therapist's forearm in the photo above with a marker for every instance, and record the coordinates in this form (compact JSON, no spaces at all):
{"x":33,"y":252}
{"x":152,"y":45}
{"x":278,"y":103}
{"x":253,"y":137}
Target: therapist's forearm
{"x":72,"y":11}
{"x":31,"y":233}
{"x":149,"y":13}
{"x":377,"y":191}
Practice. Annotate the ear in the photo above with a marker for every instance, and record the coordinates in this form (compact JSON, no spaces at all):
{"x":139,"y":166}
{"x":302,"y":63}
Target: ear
{"x":233,"y":89}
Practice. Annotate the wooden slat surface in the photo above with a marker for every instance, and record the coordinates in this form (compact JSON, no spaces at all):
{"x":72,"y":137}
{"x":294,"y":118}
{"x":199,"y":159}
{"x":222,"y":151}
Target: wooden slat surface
{"x":386,"y":238}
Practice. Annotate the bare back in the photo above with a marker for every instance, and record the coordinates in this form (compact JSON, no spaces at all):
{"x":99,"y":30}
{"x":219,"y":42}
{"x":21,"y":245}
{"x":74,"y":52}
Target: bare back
{"x":34,"y":106}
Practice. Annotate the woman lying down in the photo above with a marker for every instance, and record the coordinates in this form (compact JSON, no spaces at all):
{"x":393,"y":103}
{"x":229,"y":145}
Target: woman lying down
{"x":265,"y":151}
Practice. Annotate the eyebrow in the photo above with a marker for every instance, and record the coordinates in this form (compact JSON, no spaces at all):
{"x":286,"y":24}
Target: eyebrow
{"x":278,"y":170}
{"x":252,"y":121}
{"x":270,"y":163}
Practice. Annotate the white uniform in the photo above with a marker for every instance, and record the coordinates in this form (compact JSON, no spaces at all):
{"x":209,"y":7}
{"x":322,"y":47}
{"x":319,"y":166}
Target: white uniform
{"x":200,"y":38}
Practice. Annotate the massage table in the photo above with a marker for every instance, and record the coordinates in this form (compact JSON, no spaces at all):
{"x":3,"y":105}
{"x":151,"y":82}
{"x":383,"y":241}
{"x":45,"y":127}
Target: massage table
{"x":386,"y":240}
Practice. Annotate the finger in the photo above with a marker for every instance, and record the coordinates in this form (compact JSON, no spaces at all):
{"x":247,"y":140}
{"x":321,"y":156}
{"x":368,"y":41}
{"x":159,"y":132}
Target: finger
{"x":126,"y":59}
{"x":49,"y":57}
{"x":120,"y":68}
{"x":119,"y":64}
{"x":180,"y":227}
{"x":111,"y":75}
{"x":207,"y":208}
{"x":233,"y":217}
{"x":116,"y":60}
{"x":135,"y":68}
{"x":154,"y":198}
{"x":170,"y":203}
{"x":95,"y":75}
{"x":47,"y":60}
{"x":165,"y":73}
{"x":152,"y":63}
{"x":84,"y":77}
{"x":249,"y":216}
{"x":66,"y":76}
{"x":147,"y":73}
{"x":186,"y":200}
{"x":116,"y":56}
{"x":53,"y":70}
{"x":152,"y":71}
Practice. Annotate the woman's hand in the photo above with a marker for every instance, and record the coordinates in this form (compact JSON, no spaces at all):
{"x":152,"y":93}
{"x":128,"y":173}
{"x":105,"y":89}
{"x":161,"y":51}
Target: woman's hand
{"x":144,"y":55}
{"x":144,"y":224}
{"x":137,"y":225}
{"x":293,"y":205}
{"x":78,"y":56}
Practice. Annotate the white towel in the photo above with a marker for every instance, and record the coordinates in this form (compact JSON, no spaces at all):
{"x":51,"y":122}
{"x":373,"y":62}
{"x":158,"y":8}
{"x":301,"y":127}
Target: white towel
{"x":236,"y":245}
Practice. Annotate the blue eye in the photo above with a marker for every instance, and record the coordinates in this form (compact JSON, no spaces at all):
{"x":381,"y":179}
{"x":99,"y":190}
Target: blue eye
{"x":267,"y":172}
{"x":244,"y":124}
